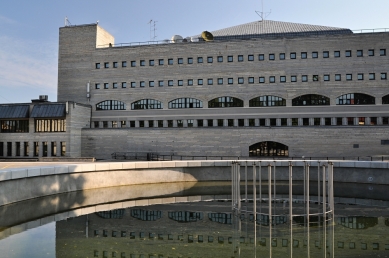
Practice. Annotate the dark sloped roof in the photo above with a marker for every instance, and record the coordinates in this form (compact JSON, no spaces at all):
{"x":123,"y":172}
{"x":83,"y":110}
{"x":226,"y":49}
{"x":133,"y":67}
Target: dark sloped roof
{"x":48,"y":110}
{"x":269,"y":28}
{"x":14,"y":111}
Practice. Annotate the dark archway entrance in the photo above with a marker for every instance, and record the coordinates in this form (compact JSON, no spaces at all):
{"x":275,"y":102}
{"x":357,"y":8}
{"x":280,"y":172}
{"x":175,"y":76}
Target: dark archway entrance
{"x":266,"y":149}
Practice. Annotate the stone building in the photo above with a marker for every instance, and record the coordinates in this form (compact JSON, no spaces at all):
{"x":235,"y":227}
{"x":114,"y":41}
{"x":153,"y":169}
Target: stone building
{"x":264,"y":88}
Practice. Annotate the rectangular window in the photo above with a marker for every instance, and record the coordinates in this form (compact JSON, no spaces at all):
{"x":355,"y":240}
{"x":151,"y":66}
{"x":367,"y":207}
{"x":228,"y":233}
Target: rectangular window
{"x":262,"y":122}
{"x":200,"y":82}
{"x":210,"y":81}
{"x":200,"y":123}
{"x":304,"y":78}
{"x":220,"y":81}
{"x":315,"y":78}
{"x":315,"y":55}
{"x":371,"y":76}
{"x":303,"y":55}
{"x":133,"y":84}
{"x":97,"y":86}
{"x":142,"y":84}
{"x":250,"y":57}
{"x":326,"y":77}
{"x":63,"y":148}
{"x":382,"y":52}
{"x":50,"y":125}
{"x":272,"y":57}
{"x":326,"y":54}
{"x":141,"y":123}
{"x":106,"y":65}
{"x":210,"y":122}
{"x":284,"y":122}
{"x":240,"y":80}
{"x":282,"y":56}
{"x":115,"y":65}
{"x":180,"y":82}
{"x":170,"y":83}
{"x":106,"y":86}
{"x":251,"y":80}
{"x":97,"y":65}
{"x":230,"y":59}
{"x":105,"y":124}
{"x":160,"y":123}
{"x":190,"y":122}
{"x":261,"y":57}
{"x":132,"y":123}
{"x":26,"y":149}
{"x":14,"y":126}
{"x":151,"y":83}
{"x":190,"y":60}
{"x":151,"y":62}
{"x":282,"y":78}
{"x":348,"y":53}
{"x":316,"y":121}
{"x":293,"y":78}
{"x":170,"y":61}
{"x":180,"y":60}
{"x":190,"y":82}
{"x":360,"y":76}
{"x":18,"y":149}
{"x":151,"y":123}
{"x":230,"y":81}
{"x":142,"y":62}
{"x":349,"y":77}
{"x":133,"y":63}
{"x":240,"y":122}
{"x":200,"y":60}
{"x":160,"y":61}
{"x":240,"y":58}
{"x":336,"y":53}
{"x":123,"y":123}
{"x":339,"y":121}
{"x":96,"y":124}
{"x":293,"y":55}
{"x":220,"y":59}
{"x":124,"y":85}
{"x":210,"y":59}
{"x":305,"y":121}
{"x":115,"y":85}
{"x":261,"y":79}
{"x":160,"y":83}
{"x":338,"y":77}
{"x":359,"y":53}
{"x":272,"y":79}
{"x":327,"y":121}
{"x":383,"y":76}
{"x":44,"y":149}
{"x":230,"y":122}
{"x":220,"y":122}
{"x":371,"y":52}
{"x":36,"y":149}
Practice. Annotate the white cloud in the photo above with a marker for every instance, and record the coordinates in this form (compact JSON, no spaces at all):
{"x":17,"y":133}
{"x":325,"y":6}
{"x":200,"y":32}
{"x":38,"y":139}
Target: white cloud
{"x":6,"y":20}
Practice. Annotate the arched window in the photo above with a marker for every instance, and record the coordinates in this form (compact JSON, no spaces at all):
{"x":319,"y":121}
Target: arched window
{"x":111,"y":105}
{"x":222,"y":102}
{"x":310,"y":100}
{"x":385,"y":99}
{"x":185,"y":103}
{"x":355,"y":99}
{"x":146,"y":104}
{"x":267,"y":101}
{"x":268,"y":149}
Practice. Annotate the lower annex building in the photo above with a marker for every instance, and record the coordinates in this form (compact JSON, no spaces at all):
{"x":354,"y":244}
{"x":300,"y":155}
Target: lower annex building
{"x":264,"y":88}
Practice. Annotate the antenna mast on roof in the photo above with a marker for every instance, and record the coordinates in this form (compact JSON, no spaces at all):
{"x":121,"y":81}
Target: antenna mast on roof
{"x":152,"y":29}
{"x":67,"y":22}
{"x":263,"y":14}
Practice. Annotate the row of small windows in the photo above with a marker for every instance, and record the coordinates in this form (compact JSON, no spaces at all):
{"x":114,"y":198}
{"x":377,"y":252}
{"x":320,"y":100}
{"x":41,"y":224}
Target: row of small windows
{"x":250,"y":122}
{"x":227,"y":101}
{"x":41,"y":125}
{"x":18,"y":149}
{"x":241,"y":80}
{"x":241,"y":58}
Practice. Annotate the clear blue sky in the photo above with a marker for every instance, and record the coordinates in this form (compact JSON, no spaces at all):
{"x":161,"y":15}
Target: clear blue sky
{"x":29,"y":28}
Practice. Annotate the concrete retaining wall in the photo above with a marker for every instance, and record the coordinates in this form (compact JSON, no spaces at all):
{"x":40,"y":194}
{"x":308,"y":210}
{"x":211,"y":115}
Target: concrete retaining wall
{"x":27,"y":183}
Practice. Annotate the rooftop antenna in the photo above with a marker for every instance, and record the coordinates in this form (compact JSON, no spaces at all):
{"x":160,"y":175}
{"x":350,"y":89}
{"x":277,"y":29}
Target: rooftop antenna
{"x":263,"y":14}
{"x":153,"y":29}
{"x":67,"y":22}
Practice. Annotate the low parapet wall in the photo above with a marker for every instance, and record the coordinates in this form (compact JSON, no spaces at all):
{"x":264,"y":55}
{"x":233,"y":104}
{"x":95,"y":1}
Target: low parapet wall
{"x":27,"y":183}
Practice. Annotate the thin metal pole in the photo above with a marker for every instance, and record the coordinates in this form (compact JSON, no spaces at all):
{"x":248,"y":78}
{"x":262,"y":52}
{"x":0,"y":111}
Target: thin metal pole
{"x":274,"y":191}
{"x":307,"y":207}
{"x":290,"y":208}
{"x":324,"y":214}
{"x":260,"y":192}
{"x":245,"y":184}
{"x":232,"y":185}
{"x":238,"y":189}
{"x":255,"y":204}
{"x":270,"y":213}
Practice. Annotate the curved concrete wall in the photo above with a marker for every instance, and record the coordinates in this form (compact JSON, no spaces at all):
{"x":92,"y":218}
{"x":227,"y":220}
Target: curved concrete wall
{"x":27,"y":183}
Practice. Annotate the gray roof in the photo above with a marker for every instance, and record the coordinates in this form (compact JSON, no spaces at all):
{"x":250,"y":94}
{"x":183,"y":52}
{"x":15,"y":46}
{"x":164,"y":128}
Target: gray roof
{"x":48,"y":111}
{"x":267,"y":28}
{"x":14,"y":111}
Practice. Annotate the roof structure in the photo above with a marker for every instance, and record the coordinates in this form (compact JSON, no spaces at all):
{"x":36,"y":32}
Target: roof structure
{"x":267,"y":28}
{"x":48,"y":110}
{"x":14,"y":111}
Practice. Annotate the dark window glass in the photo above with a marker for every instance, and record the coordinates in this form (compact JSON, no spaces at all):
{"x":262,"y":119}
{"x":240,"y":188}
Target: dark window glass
{"x":349,"y":77}
{"x":141,"y":84}
{"x":200,"y":122}
{"x":180,"y":60}
{"x":180,"y":82}
{"x":315,"y":78}
{"x":371,"y":76}
{"x":250,"y":57}
{"x":303,"y":55}
{"x":310,"y":100}
{"x":124,"y":85}
{"x":360,"y":76}
{"x":111,"y":105}
{"x":261,"y":79}
{"x":230,"y":58}
{"x":240,"y":80}
{"x":355,"y":99}
{"x":382,"y":52}
{"x":222,"y":102}
{"x":371,"y":52}
{"x":146,"y":104}
{"x":348,"y":53}
{"x":230,"y":81}
{"x":282,"y":78}
{"x":185,"y":103}
{"x":293,"y":55}
{"x":133,"y":63}
{"x":272,"y":79}
{"x":160,"y":83}
{"x":190,"y":60}
{"x":220,"y":81}
{"x":261,"y":57}
{"x":315,"y":55}
{"x":170,"y":61}
{"x":115,"y":85}
{"x":200,"y":60}
{"x":251,"y":80}
{"x":124,"y":63}
{"x":200,"y":82}
{"x":210,"y":81}
{"x":170,"y":83}
{"x":326,"y":77}
{"x":326,"y":54}
{"x":97,"y":66}
{"x":271,"y":57}
{"x":210,"y":59}
{"x":133,"y":84}
{"x":338,"y":77}
{"x":359,"y":53}
{"x":266,"y":149}
{"x":240,"y":58}
{"x":14,"y":126}
{"x":304,"y":78}
{"x":115,"y":65}
{"x":151,"y":83}
{"x":160,"y":61}
{"x":106,"y":65}
{"x":190,"y":82}
{"x":142,"y":62}
{"x":385,"y":99}
{"x":267,"y":101}
{"x":383,"y":76}
{"x":106,"y":85}
{"x":220,"y":59}
{"x":97,"y":86}
{"x":336,"y":53}
{"x":282,"y":56}
{"x":293,"y":78}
